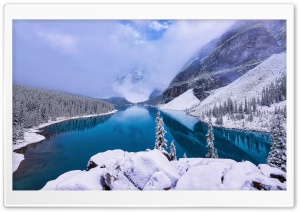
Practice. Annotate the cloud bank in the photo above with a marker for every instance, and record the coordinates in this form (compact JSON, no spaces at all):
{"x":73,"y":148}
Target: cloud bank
{"x":86,"y":57}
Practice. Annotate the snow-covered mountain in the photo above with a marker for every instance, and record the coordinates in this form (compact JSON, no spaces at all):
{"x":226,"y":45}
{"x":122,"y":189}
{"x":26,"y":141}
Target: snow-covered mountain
{"x":244,"y":46}
{"x":151,"y":170}
{"x":132,"y":85}
{"x":249,"y":85}
{"x":182,"y":102}
{"x":137,"y":75}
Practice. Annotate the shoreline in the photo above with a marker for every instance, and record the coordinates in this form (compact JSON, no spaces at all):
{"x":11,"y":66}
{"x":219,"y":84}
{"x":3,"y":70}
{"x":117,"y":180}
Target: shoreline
{"x":32,"y":135}
{"x":219,"y":126}
{"x":230,"y":128}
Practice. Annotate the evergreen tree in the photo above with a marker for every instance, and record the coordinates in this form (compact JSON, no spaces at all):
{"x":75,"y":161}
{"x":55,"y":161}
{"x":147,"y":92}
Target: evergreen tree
{"x":212,"y":152}
{"x":277,"y":155}
{"x":173,"y":151}
{"x":184,"y":155}
{"x":246,"y":106}
{"x":33,"y":106}
{"x":219,"y":120}
{"x":235,"y":107}
{"x":250,"y":117}
{"x":160,"y":142}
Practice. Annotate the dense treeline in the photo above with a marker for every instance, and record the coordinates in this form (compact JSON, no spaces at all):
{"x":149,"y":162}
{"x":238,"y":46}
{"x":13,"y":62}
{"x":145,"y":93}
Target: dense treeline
{"x":275,"y":92}
{"x":272,"y":93}
{"x":33,"y":106}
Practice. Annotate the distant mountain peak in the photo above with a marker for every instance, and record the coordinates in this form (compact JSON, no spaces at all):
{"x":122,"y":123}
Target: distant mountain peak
{"x":134,"y":76}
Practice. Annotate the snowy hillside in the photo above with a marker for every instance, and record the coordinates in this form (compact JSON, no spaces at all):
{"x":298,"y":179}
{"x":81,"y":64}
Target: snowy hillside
{"x":182,"y":102}
{"x":151,"y":170}
{"x":249,"y":85}
{"x":261,"y":122}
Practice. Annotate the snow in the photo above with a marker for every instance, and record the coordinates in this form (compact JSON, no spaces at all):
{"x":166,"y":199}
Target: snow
{"x":158,"y":181}
{"x":207,"y":177}
{"x":51,"y":185}
{"x":261,"y":123}
{"x":268,"y":170}
{"x":249,"y":85}
{"x":31,"y":136}
{"x":182,"y":102}
{"x":100,"y":158}
{"x":17,"y":159}
{"x":151,"y":170}
{"x":84,"y":180}
{"x":141,"y":166}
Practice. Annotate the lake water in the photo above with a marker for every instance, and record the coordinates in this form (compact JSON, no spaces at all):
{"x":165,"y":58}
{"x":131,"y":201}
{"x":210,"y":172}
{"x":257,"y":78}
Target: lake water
{"x":70,"y":144}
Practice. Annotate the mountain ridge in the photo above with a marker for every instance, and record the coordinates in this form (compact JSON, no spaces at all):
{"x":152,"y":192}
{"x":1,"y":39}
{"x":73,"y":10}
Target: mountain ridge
{"x":241,"y":48}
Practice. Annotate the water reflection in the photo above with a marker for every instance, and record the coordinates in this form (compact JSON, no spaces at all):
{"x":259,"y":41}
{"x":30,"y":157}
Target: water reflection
{"x":235,"y":144}
{"x":70,"y":144}
{"x":74,"y":125}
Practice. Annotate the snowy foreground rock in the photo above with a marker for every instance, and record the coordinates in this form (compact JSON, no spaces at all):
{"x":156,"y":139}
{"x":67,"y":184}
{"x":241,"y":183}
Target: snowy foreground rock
{"x":151,"y":170}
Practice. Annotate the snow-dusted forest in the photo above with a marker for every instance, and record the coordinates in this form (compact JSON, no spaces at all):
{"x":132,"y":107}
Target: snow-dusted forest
{"x":245,"y":112}
{"x":34,"y":106}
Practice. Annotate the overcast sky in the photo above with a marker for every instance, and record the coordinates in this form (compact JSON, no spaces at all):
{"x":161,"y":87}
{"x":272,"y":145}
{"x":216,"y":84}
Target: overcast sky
{"x":86,"y":57}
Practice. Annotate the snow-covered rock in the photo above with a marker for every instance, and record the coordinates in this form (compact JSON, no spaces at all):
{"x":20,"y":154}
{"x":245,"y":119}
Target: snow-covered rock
{"x":158,"y":181}
{"x":84,"y":180}
{"x":205,"y":177}
{"x":272,"y":172}
{"x":182,"y":102}
{"x":52,"y":185}
{"x":102,"y":157}
{"x":141,"y":166}
{"x":151,"y":170}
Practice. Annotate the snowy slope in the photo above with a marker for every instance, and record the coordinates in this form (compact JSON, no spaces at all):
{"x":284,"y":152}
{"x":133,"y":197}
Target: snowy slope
{"x":151,"y":170}
{"x":249,"y":85}
{"x":182,"y":102}
{"x":260,"y":123}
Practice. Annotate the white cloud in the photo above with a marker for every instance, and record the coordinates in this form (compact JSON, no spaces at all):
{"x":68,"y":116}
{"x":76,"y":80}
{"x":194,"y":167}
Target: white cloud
{"x":104,"y":50}
{"x":155,"y":25}
{"x":162,"y":59}
{"x":64,"y":42}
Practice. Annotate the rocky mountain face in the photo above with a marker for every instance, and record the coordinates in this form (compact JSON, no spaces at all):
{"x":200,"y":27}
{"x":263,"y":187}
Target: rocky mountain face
{"x":155,"y":93}
{"x":244,"y":46}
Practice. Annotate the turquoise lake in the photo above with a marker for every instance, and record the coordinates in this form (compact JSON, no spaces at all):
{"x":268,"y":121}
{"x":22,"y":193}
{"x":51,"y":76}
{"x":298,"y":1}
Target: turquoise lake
{"x":70,"y":144}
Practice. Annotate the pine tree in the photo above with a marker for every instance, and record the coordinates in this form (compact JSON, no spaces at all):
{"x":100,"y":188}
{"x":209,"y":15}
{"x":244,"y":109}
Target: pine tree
{"x":250,"y":117}
{"x":161,"y":142}
{"x":246,"y":106}
{"x":277,"y":155}
{"x":219,"y":120}
{"x":212,"y":152}
{"x":173,"y":151}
